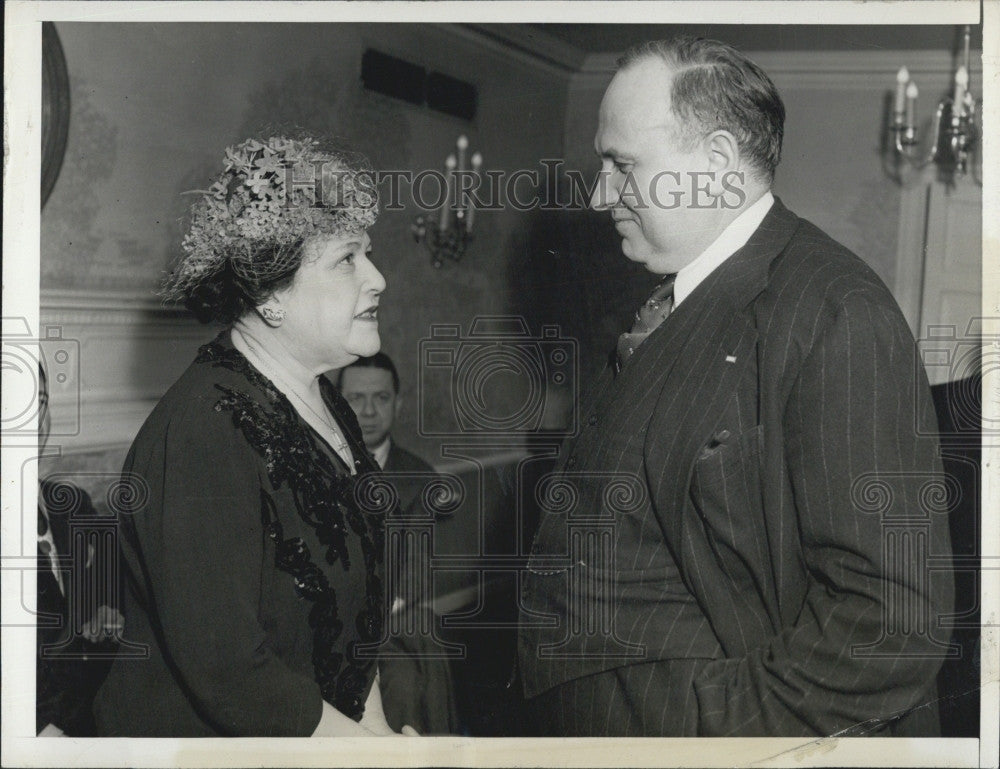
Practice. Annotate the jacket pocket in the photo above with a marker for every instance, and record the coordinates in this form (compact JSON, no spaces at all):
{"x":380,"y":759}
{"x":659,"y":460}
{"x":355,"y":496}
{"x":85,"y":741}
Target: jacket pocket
{"x":726,"y":455}
{"x":727,"y":496}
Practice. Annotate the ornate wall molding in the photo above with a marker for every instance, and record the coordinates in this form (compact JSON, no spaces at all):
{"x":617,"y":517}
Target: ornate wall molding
{"x":114,"y":307}
{"x":111,"y":356}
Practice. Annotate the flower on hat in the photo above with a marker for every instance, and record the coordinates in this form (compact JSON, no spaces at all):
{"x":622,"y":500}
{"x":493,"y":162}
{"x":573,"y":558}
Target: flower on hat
{"x":270,"y":197}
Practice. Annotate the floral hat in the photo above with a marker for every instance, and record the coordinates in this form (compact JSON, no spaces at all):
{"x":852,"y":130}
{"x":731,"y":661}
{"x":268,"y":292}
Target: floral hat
{"x":271,"y":196}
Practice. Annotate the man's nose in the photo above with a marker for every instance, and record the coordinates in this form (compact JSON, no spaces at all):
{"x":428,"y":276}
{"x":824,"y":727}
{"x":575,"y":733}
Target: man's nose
{"x":604,"y":195}
{"x":367,"y":407}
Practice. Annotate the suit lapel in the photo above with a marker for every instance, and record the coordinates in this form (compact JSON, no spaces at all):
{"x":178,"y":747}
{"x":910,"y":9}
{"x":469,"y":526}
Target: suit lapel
{"x":701,"y":351}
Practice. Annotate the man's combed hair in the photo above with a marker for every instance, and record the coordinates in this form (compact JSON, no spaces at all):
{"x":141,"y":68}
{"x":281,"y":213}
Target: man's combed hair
{"x":378,"y":360}
{"x":715,"y":88}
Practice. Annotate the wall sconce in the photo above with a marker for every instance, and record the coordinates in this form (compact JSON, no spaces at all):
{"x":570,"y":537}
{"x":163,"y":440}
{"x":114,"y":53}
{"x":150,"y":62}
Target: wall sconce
{"x":954,"y":132}
{"x":447,"y":235}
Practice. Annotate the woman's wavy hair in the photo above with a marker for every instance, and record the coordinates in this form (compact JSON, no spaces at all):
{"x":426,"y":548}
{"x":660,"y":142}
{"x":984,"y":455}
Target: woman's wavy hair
{"x":226,"y":295}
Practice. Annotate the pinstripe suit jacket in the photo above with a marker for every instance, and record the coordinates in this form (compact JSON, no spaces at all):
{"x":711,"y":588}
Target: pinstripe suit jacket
{"x":779,"y":434}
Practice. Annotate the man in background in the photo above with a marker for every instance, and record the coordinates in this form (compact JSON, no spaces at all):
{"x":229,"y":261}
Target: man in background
{"x":770,"y":417}
{"x":371,"y":387}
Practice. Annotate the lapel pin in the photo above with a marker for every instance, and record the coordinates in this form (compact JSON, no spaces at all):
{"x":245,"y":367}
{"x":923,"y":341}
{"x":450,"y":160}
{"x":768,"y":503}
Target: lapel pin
{"x":730,"y":359}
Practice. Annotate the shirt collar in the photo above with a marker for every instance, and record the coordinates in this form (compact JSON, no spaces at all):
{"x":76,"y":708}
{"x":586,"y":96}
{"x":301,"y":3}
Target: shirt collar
{"x":381,"y":452}
{"x":731,"y":240}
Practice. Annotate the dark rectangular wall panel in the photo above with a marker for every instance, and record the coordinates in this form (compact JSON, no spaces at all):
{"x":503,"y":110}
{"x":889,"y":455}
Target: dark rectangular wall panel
{"x":451,"y":96}
{"x":393,"y":77}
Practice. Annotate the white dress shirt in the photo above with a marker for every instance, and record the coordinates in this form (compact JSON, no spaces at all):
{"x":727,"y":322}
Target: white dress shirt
{"x":381,"y":452}
{"x":731,"y":240}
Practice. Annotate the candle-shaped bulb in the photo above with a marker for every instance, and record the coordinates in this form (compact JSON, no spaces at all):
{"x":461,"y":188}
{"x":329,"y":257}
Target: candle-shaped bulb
{"x":961,"y":88}
{"x":966,"y":34}
{"x":911,"y":103}
{"x":477,"y":162}
{"x":899,"y":103}
{"x":463,"y":142}
{"x":463,"y":145}
{"x":449,"y":167}
{"x":961,"y":84}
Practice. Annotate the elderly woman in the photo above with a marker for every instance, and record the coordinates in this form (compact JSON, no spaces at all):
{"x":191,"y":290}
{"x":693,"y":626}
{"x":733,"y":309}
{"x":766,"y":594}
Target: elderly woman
{"x":254,"y":578}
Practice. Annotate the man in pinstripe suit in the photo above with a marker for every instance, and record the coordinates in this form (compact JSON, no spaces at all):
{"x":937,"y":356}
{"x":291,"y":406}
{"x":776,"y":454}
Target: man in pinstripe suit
{"x":728,"y":563}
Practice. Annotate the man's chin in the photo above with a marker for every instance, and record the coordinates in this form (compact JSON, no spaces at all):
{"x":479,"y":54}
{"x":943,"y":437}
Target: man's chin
{"x":655,"y":263}
{"x":637,"y":255}
{"x":373,"y":440}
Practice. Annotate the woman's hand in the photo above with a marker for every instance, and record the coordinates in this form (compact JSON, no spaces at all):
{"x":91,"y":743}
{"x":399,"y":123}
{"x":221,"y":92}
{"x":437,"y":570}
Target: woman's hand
{"x":374,"y":717}
{"x":333,"y":723}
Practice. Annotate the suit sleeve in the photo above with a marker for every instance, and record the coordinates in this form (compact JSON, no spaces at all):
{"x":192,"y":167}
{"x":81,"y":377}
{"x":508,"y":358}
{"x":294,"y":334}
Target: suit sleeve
{"x":202,"y":552}
{"x":862,"y":463}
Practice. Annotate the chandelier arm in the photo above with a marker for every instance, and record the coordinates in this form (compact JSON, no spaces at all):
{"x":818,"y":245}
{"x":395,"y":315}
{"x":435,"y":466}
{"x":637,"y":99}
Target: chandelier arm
{"x":938,"y":117}
{"x":442,"y":245}
{"x":909,"y":153}
{"x":890,"y":166}
{"x":954,"y":134}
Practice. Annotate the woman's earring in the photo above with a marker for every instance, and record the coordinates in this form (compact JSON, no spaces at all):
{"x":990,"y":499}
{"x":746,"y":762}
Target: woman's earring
{"x":272,"y":314}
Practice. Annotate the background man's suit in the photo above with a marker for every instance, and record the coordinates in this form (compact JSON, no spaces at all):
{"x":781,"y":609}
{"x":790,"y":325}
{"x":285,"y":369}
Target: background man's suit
{"x":417,"y":689}
{"x":402,"y":461}
{"x":752,"y":421}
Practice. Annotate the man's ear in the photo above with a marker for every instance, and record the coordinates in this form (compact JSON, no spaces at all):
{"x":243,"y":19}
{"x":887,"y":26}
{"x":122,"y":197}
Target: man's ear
{"x":723,"y":160}
{"x":724,"y":151}
{"x":398,"y":406}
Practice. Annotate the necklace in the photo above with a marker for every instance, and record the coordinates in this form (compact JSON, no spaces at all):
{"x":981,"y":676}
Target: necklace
{"x":325,"y":425}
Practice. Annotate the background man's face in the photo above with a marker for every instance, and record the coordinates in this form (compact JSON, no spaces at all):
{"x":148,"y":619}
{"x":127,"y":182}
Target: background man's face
{"x":637,"y":142}
{"x":371,"y":395}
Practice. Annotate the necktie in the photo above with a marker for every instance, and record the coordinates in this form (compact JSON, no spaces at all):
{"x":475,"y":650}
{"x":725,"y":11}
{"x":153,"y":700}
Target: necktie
{"x":647,"y":318}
